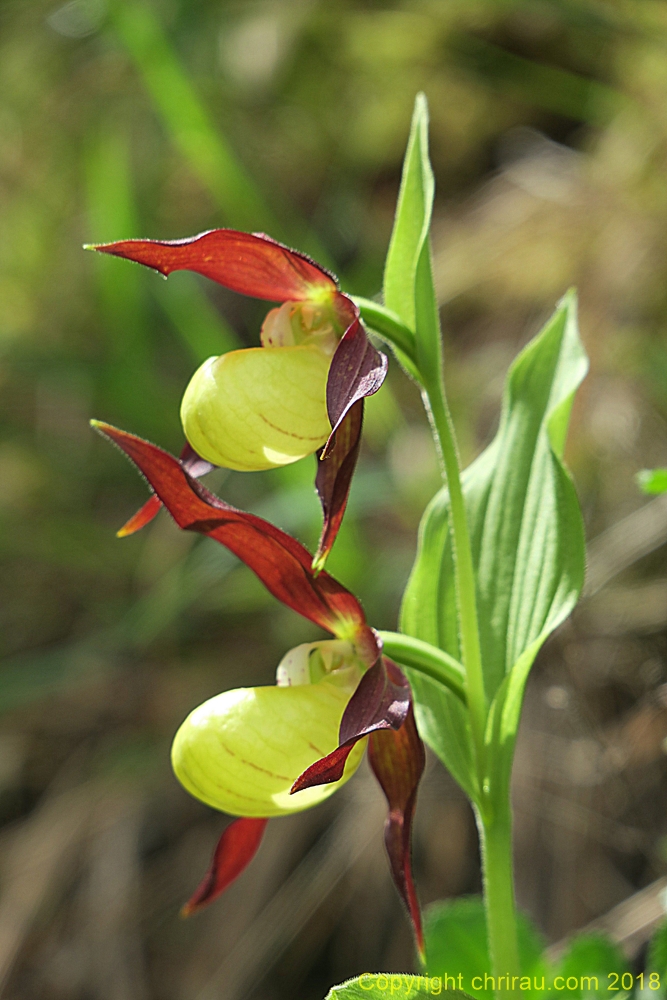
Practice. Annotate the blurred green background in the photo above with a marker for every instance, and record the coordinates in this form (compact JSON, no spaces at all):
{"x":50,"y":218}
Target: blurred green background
{"x":122,"y":118}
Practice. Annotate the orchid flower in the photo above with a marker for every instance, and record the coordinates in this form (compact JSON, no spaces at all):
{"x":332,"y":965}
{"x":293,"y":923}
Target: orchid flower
{"x":300,"y":393}
{"x":274,"y":750}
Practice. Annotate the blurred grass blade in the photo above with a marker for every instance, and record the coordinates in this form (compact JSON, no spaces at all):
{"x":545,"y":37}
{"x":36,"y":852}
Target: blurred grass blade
{"x":201,"y":327}
{"x":112,"y":213}
{"x":187,"y":121}
{"x":130,"y":383}
{"x":542,"y":86}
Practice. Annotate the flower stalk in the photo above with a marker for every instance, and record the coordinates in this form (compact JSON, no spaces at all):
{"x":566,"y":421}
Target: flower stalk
{"x":494,"y":818}
{"x":388,"y":325}
{"x":427,"y":659}
{"x":439,"y":414}
{"x":495,"y":829}
{"x":495,"y":833}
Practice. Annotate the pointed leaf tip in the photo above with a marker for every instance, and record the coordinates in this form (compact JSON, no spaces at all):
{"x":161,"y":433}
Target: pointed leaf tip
{"x":409,"y":238}
{"x":421,"y":105}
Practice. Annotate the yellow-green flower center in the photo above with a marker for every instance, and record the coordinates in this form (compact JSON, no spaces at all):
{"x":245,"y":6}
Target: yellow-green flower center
{"x":302,"y":323}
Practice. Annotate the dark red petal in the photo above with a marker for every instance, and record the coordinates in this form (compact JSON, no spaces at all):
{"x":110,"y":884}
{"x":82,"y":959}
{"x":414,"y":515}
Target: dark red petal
{"x":282,"y":564}
{"x":194,"y":464}
{"x":142,"y":517}
{"x":357,"y":369}
{"x":397,"y":759}
{"x":233,"y":853}
{"x":334,"y":477}
{"x":382,"y":701}
{"x":249,"y":263}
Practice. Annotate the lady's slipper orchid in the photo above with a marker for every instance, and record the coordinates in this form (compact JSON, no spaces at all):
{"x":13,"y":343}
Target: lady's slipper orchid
{"x":301,"y":392}
{"x":263,"y":752}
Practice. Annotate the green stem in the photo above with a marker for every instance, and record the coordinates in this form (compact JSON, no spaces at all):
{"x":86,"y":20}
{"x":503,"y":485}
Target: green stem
{"x":388,"y":325}
{"x":468,"y":681}
{"x":494,"y":819}
{"x":495,"y":824}
{"x":495,"y":833}
{"x":427,"y":659}
{"x":438,"y":410}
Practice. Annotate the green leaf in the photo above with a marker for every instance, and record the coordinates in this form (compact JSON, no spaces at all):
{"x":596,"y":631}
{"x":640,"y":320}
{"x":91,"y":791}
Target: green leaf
{"x":528,"y":549}
{"x":456,"y":947}
{"x":442,"y":720}
{"x":186,"y":119}
{"x":656,"y":963}
{"x":596,"y":964}
{"x":413,"y":219}
{"x":129,"y":371}
{"x":112,"y":209}
{"x":409,"y":244}
{"x":652,"y":480}
{"x":403,"y":986}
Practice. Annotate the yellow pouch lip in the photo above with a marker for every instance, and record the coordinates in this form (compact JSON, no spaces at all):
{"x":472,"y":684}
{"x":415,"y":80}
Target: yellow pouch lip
{"x":258,"y":408}
{"x":241,"y":751}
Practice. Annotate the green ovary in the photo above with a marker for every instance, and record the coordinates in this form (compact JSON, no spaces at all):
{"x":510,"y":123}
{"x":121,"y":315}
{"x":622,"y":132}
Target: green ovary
{"x":258,"y":408}
{"x":241,"y":751}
